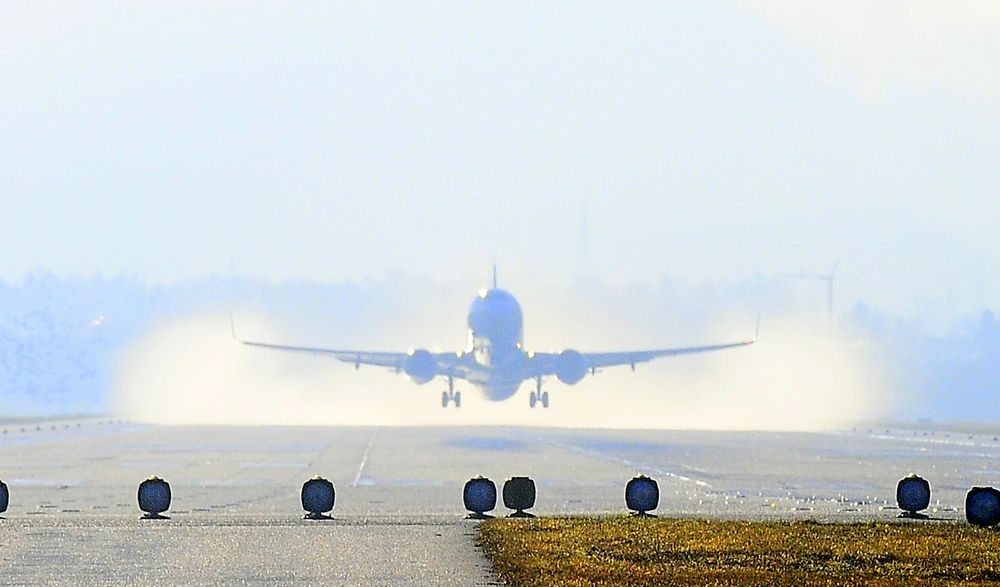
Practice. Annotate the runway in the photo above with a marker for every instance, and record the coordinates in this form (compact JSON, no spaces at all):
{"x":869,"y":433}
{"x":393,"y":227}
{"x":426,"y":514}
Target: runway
{"x":236,"y":516}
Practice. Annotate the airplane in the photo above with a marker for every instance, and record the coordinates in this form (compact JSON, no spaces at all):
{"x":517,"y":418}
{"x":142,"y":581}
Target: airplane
{"x":495,"y":361}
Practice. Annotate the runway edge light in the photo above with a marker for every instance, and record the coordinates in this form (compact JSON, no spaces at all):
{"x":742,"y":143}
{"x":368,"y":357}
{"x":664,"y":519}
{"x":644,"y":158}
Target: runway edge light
{"x":982,"y":506}
{"x":642,"y":495}
{"x":154,"y":498}
{"x":4,"y":497}
{"x":318,"y":497}
{"x":519,"y":495}
{"x":913,"y":494}
{"x":479,"y":496}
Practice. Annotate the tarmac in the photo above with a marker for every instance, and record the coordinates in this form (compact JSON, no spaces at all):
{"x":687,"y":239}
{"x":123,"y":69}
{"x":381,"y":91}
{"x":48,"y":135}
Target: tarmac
{"x":399,"y":520}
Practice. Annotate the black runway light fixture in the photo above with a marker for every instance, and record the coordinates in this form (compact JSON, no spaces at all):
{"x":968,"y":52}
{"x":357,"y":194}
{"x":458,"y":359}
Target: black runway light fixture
{"x":913,"y":494}
{"x":480,"y":496}
{"x":642,"y":495}
{"x":982,"y":506}
{"x":519,"y":495}
{"x":318,"y":496}
{"x":4,"y":497}
{"x":154,"y":498}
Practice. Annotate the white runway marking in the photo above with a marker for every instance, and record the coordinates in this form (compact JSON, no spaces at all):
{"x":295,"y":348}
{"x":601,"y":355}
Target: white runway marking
{"x":364,"y":459}
{"x":655,"y":471}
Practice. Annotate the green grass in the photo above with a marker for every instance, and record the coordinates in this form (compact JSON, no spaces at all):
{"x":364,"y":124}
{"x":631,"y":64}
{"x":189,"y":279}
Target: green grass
{"x":636,"y":551}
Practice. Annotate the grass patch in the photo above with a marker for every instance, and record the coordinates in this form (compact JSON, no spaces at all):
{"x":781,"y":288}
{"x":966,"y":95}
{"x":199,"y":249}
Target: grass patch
{"x":636,"y":551}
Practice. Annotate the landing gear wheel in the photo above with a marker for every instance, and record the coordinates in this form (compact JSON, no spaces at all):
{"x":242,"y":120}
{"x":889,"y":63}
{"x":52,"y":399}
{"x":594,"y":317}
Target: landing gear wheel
{"x":533,"y":399}
{"x":451,"y":395}
{"x":545,"y":399}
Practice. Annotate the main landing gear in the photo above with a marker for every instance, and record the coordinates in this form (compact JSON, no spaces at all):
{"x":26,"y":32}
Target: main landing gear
{"x":538,"y":395}
{"x":451,"y":395}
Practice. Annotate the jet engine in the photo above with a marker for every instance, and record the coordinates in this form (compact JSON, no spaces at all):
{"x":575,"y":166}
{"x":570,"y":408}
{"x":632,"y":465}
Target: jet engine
{"x":420,"y":366}
{"x":571,"y":367}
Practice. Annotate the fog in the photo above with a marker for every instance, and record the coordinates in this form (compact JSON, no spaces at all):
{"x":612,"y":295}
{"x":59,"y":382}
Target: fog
{"x":343,"y":174}
{"x":334,"y":141}
{"x":190,"y":370}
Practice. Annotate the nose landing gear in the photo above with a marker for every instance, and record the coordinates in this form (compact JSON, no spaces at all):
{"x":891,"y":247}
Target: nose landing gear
{"x":451,"y":395}
{"x":538,"y":396}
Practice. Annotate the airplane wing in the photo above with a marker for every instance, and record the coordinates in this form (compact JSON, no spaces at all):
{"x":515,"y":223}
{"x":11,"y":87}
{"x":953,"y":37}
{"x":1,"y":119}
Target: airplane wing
{"x":380,"y":359}
{"x":596,"y":360}
{"x":393,"y":360}
{"x":548,"y":363}
{"x":444,"y":363}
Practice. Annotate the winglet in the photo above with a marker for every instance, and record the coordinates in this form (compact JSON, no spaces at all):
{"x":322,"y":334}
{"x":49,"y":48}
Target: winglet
{"x":494,"y":276}
{"x":232,"y":326}
{"x":756,"y":331}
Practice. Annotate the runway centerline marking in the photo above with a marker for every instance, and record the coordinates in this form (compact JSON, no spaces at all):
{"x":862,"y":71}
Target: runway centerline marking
{"x":364,"y":459}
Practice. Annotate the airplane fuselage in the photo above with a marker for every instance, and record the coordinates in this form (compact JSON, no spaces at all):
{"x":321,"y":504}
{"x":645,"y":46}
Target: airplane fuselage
{"x":495,"y":360}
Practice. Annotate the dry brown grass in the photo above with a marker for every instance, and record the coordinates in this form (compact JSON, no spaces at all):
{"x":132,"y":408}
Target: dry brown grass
{"x":635,"y":551}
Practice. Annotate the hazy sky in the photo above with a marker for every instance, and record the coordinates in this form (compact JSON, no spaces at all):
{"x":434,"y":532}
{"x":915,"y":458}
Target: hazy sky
{"x":330,"y":141}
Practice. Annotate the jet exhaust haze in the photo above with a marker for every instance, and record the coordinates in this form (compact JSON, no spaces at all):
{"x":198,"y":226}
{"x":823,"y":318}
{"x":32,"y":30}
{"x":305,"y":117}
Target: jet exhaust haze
{"x":795,"y":378}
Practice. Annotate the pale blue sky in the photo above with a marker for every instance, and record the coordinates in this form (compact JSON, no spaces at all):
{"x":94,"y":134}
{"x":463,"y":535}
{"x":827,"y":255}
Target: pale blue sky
{"x":331,"y":141}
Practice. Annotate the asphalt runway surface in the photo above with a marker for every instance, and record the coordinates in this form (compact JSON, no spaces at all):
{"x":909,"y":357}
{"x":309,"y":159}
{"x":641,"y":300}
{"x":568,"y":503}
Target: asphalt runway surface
{"x":236,"y":516}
